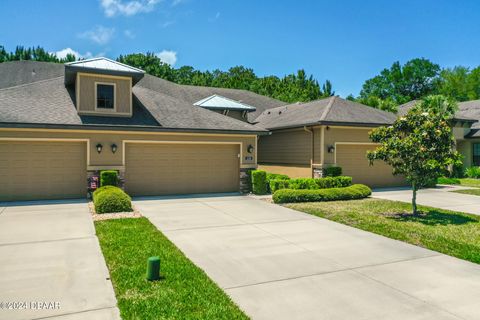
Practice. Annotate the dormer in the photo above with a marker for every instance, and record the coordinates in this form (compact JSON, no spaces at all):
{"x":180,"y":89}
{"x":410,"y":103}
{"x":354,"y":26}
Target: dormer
{"x":226,"y":106}
{"x":103,"y":87}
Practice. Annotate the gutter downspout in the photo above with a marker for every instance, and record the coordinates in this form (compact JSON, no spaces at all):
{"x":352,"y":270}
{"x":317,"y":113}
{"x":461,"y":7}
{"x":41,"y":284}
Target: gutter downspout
{"x":311,"y":148}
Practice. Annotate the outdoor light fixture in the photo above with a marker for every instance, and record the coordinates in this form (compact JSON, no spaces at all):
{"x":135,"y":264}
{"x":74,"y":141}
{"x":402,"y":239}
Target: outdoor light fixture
{"x":250,"y":148}
{"x":331,"y":149}
{"x":113,"y":147}
{"x":99,"y":147}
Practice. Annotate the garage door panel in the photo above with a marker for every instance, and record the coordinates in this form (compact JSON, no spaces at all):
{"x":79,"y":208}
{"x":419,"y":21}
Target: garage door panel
{"x":354,"y":163}
{"x":159,"y":169}
{"x":42,"y":170}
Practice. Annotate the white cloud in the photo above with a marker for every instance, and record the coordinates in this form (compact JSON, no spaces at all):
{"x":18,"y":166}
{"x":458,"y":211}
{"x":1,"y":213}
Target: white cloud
{"x":129,"y":34}
{"x":167,"y":56}
{"x":62,"y":54}
{"x":177,"y":2}
{"x":214,"y":18}
{"x":167,"y":24}
{"x":127,"y":8}
{"x":99,"y":34}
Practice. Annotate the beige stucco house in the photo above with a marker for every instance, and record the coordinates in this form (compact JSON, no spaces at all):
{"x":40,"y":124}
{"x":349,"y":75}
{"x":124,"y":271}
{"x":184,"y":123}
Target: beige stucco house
{"x":62,"y":124}
{"x":307,"y":137}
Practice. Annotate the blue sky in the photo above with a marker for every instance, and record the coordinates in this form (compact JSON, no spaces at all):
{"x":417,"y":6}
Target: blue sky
{"x":344,"y":41}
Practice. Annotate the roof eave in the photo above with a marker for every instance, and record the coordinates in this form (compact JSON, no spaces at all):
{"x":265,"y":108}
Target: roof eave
{"x":128,"y":128}
{"x":332,"y":123}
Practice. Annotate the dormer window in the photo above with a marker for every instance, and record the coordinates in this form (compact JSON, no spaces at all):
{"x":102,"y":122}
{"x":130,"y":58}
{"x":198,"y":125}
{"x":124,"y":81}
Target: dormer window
{"x":105,"y":95}
{"x":103,"y":87}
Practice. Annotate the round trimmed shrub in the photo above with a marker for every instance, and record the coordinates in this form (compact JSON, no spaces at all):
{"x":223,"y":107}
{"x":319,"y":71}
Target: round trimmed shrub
{"x":110,"y":199}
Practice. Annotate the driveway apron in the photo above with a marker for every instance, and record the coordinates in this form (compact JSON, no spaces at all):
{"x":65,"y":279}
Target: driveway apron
{"x":51,"y":265}
{"x":277,"y":263}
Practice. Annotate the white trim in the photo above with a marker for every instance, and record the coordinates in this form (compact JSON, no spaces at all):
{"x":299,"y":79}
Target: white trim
{"x":124,"y":142}
{"x":53,"y":140}
{"x":349,"y":143}
{"x":106,"y":110}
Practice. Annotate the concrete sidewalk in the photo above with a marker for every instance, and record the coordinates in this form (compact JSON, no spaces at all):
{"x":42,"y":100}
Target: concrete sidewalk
{"x":49,"y":254}
{"x":439,"y":197}
{"x":278,"y":263}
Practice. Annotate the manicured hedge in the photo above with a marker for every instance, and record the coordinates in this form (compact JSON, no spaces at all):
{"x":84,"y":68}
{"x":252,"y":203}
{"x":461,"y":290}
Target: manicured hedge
{"x":110,"y":199}
{"x":332,"y":171}
{"x":356,"y":191}
{"x":275,"y":177}
{"x":259,"y":182}
{"x":445,"y":180}
{"x":108,"y":178}
{"x":311,"y":183}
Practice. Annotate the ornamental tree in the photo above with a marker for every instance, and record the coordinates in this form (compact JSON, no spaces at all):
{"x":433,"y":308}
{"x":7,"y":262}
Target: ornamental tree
{"x":419,"y":145}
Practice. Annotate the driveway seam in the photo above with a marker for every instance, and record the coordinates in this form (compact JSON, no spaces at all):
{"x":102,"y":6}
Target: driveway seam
{"x":44,"y":241}
{"x":72,"y":313}
{"x":408,"y":294}
{"x":354,"y":269}
{"x":315,"y":253}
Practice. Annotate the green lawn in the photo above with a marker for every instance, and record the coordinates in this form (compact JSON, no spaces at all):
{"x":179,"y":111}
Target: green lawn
{"x":185,"y":292}
{"x":468,"y":182}
{"x":475,"y":192}
{"x":453,"y":233}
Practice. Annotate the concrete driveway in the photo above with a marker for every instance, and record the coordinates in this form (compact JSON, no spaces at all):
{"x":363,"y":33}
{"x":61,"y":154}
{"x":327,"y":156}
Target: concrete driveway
{"x":51,"y":265}
{"x":277,"y":263}
{"x":439,"y":197}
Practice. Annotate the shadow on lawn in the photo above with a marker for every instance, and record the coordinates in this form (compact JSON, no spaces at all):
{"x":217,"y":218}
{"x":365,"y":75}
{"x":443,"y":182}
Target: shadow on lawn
{"x":434,"y":217}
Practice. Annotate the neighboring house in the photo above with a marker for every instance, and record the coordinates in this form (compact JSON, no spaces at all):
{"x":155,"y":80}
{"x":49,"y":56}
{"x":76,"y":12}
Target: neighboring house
{"x":60,"y":124}
{"x":466,"y":129}
{"x":307,"y":137}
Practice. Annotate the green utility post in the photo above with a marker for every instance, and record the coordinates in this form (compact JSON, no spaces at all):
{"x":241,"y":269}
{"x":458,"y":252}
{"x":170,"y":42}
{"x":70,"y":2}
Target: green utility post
{"x":153,"y":268}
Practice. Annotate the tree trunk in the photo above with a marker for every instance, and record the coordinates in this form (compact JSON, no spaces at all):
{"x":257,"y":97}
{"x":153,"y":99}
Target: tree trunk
{"x":414,"y":198}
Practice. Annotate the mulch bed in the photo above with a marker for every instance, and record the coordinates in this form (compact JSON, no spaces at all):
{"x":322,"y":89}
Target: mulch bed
{"x":117,"y":215}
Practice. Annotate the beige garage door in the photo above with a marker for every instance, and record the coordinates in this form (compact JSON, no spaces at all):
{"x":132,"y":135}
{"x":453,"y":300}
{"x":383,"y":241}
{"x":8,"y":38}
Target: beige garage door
{"x":161,"y":169}
{"x":353,"y":160}
{"x":42,"y":170}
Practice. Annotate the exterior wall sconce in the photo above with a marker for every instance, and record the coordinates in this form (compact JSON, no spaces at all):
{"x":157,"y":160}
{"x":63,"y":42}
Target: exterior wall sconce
{"x":331,"y":149}
{"x":250,"y":148}
{"x":113,"y":147}
{"x":99,"y":147}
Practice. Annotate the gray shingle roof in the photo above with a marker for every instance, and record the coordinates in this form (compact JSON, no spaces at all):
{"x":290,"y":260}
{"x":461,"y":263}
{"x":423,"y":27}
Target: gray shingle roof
{"x":327,"y":111}
{"x":192,"y":94}
{"x":44,"y":99}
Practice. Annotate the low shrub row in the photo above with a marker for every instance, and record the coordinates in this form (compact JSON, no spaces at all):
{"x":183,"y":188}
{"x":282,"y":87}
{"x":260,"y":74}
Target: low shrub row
{"x":446,"y":180}
{"x":473,"y":172}
{"x":356,"y":191}
{"x":109,"y":199}
{"x":311,"y":183}
{"x":332,"y":171}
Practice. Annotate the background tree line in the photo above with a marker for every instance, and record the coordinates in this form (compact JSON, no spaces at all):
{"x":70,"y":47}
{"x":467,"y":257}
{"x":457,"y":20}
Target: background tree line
{"x":393,"y":86}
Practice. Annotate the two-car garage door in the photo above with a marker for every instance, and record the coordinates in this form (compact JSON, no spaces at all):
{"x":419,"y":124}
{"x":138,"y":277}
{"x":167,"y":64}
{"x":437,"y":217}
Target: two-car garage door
{"x":31,"y":170}
{"x":34,"y":170}
{"x":353,"y":160}
{"x":172,"y":168}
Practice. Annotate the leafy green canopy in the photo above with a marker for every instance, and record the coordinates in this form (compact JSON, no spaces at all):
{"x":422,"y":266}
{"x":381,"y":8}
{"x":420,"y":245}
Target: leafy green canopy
{"x":419,"y":145}
{"x":290,"y":88}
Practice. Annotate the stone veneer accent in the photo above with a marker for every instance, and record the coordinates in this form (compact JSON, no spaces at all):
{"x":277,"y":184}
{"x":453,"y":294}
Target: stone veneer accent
{"x":245,"y":180}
